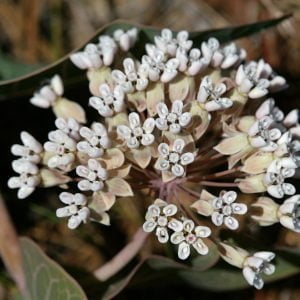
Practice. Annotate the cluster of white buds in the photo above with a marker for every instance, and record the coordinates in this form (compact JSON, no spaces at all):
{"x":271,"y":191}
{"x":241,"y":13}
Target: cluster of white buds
{"x":257,"y":264}
{"x":224,"y":58}
{"x":69,"y":126}
{"x":172,"y":159}
{"x":253,"y":266}
{"x":262,"y":136}
{"x":95,"y":140}
{"x":169,"y":45}
{"x":191,"y":62}
{"x":211,"y":95}
{"x":126,"y":39}
{"x":136,"y":133}
{"x":94,"y":176}
{"x":94,"y":56}
{"x":133,"y":78}
{"x":49,"y":93}
{"x":160,"y":217}
{"x":75,"y":209}
{"x":258,"y":78}
{"x":190,"y":235}
{"x":276,"y":174}
{"x":267,"y":212}
{"x":26,"y":166}
{"x":171,"y":125}
{"x":109,"y":102}
{"x":62,"y":146}
{"x":221,"y":209}
{"x":174,"y":120}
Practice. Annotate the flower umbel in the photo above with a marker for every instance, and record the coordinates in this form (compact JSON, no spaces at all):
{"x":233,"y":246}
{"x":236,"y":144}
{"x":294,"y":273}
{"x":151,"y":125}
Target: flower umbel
{"x":175,"y":125}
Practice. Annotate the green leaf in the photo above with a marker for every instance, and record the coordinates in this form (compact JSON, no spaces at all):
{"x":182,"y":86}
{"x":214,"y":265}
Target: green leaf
{"x":226,"y":279}
{"x":10,"y":68}
{"x":45,"y":279}
{"x":157,"y":269}
{"x":25,"y":85}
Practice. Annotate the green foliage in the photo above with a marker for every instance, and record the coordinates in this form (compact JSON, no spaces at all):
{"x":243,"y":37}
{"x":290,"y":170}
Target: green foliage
{"x":45,"y":279}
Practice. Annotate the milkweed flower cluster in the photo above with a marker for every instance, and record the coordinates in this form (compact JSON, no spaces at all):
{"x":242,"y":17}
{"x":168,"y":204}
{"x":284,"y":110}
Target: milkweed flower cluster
{"x":172,"y":125}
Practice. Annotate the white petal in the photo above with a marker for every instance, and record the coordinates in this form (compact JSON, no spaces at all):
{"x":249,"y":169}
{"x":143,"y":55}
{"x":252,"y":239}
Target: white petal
{"x":83,"y":214}
{"x":175,"y":225}
{"x":74,"y":222}
{"x":149,"y":125}
{"x":162,"y":234}
{"x":57,"y":85}
{"x":188,"y":225}
{"x":161,"y":124}
{"x":163,"y":149}
{"x":202,"y":231}
{"x":239,"y":208}
{"x":162,"y":164}
{"x":229,"y":197}
{"x":231,"y":223}
{"x":170,"y":210}
{"x":176,"y":238}
{"x":66,"y":197}
{"x":39,"y":101}
{"x":48,"y":93}
{"x":288,"y":189}
{"x":183,"y":250}
{"x":288,"y":162}
{"x":292,"y":118}
{"x":240,"y":75}
{"x":134,"y":120}
{"x":200,"y":247}
{"x":99,"y":129}
{"x":275,"y":191}
{"x":288,"y":222}
{"x":149,"y":225}
{"x":265,"y":108}
{"x":29,"y":141}
{"x":249,"y":275}
{"x":25,"y":191}
{"x":162,"y":110}
{"x":185,"y":119}
{"x":177,"y":107}
{"x":269,"y":269}
{"x":178,"y":145}
{"x":175,"y":128}
{"x":14,"y":182}
{"x":177,"y":170}
{"x":124,"y":131}
{"x":187,"y":158}
{"x":257,"y":92}
{"x":266,"y":255}
{"x":147,"y":139}
{"x":217,"y":218}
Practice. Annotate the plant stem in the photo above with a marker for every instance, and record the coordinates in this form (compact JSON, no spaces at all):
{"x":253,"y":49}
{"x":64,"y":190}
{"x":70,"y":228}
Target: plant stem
{"x":189,"y":191}
{"x":113,"y":266}
{"x":221,"y":174}
{"x":219,"y":184}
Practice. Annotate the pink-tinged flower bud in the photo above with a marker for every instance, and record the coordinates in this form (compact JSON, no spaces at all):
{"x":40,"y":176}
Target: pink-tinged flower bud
{"x":265,"y":211}
{"x":253,"y":184}
{"x":233,"y":255}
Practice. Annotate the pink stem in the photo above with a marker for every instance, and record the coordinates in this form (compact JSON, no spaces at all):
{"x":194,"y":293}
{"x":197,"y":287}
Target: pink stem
{"x":219,"y":184}
{"x":113,"y":266}
{"x":221,"y":174}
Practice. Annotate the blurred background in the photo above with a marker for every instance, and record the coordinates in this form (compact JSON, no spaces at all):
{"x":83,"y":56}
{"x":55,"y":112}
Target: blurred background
{"x":34,"y":33}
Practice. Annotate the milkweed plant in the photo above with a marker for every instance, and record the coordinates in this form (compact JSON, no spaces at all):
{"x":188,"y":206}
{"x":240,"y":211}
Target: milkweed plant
{"x":195,"y":129}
